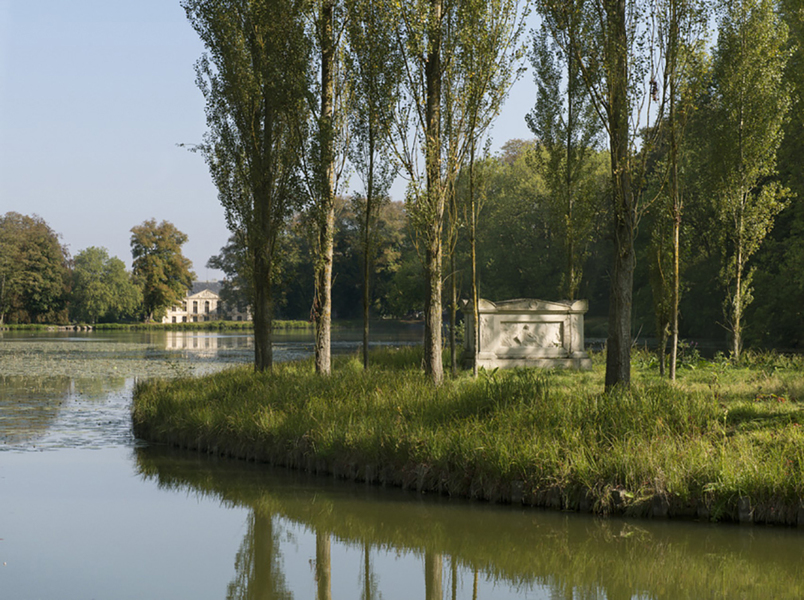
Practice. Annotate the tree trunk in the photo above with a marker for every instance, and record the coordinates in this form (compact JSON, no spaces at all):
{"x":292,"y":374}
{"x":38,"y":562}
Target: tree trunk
{"x":326,"y":208}
{"x":674,"y":302}
{"x":432,"y":318}
{"x":453,"y":316}
{"x":367,"y":249}
{"x":435,"y":200}
{"x":263,"y":311}
{"x":473,"y":251}
{"x":736,"y":325}
{"x":618,"y":352}
{"x":366,"y":301}
{"x":454,"y":577}
{"x":674,"y":191}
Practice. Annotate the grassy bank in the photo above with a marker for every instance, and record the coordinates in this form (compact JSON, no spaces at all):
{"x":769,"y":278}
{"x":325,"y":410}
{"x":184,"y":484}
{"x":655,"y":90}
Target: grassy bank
{"x":724,"y":443}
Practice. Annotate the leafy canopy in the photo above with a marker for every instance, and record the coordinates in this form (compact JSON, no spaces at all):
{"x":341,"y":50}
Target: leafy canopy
{"x":163,"y":273}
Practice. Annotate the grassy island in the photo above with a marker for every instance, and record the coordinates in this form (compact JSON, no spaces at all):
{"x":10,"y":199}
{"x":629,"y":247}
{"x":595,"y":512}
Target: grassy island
{"x":725,"y":442}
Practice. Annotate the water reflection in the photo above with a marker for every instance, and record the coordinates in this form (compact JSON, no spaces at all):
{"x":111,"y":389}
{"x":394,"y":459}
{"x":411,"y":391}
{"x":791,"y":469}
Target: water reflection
{"x":206,"y":343}
{"x":29,"y":406}
{"x":35,"y":409}
{"x":258,"y":563}
{"x":456,"y":549}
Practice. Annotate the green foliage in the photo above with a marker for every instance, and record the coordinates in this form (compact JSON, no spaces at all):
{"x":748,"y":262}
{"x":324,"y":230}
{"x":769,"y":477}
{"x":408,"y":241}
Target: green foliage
{"x":567,"y":129}
{"x":520,"y":249}
{"x":34,"y":271}
{"x":102,"y":288}
{"x":752,"y":101}
{"x":777,"y":317}
{"x":397,"y":279}
{"x":233,"y":261}
{"x":516,"y":225}
{"x":159,"y":268}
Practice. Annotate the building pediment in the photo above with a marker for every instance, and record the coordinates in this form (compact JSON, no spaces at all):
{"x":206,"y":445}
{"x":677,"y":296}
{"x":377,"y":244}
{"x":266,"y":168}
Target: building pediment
{"x":204,"y":295}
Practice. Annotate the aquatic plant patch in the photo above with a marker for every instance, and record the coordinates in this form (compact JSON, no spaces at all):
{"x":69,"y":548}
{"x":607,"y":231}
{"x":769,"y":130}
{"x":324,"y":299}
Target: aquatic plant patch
{"x":87,"y":359}
{"x":76,"y":392}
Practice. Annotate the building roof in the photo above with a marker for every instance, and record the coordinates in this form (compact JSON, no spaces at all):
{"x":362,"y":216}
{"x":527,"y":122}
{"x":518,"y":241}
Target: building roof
{"x":200,"y":286}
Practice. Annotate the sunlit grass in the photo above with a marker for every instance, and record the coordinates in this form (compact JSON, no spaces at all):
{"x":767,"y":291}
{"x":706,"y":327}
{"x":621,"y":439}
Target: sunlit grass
{"x":720,"y":433}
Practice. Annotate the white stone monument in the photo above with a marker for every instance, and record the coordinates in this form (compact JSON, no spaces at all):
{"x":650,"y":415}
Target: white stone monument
{"x":529,"y":333}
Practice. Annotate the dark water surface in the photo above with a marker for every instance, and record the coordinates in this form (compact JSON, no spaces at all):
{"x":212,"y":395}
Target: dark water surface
{"x":87,"y":511}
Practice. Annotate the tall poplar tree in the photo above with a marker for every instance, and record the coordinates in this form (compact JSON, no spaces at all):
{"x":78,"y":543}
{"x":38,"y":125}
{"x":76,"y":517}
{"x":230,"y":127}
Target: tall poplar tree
{"x":375,"y":71}
{"x":752,"y":100}
{"x":253,"y":77}
{"x":445,"y":43}
{"x":567,"y":131}
{"x":616,"y":56}
{"x":323,"y":157}
{"x":486,"y":63}
{"x":682,"y":27}
{"x":418,"y":30}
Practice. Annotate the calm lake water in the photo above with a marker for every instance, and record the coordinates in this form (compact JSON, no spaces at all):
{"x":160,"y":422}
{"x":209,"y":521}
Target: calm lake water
{"x":88,"y":511}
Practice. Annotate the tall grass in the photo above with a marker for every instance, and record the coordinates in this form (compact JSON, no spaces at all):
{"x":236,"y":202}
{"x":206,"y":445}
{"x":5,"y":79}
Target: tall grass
{"x":721,"y":434}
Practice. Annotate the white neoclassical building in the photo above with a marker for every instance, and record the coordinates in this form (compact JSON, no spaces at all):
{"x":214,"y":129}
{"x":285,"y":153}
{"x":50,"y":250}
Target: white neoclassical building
{"x":202,"y":303}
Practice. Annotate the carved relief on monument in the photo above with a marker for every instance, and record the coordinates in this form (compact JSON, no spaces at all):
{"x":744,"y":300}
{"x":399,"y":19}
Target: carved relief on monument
{"x":532,"y":335}
{"x":529,"y":333}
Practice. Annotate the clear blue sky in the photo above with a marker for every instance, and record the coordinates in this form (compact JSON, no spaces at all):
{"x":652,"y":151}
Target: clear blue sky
{"x":95,"y":95}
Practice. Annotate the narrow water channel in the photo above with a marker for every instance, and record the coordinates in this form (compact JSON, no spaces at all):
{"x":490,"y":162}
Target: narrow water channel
{"x":88,"y":511}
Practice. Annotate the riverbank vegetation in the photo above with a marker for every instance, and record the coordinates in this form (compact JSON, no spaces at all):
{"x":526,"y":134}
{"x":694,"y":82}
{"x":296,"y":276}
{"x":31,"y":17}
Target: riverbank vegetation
{"x":724,"y":442}
{"x":278,"y":325}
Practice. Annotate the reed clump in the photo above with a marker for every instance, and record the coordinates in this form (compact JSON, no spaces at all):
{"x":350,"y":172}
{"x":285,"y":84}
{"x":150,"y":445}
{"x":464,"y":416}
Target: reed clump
{"x":723,"y":442}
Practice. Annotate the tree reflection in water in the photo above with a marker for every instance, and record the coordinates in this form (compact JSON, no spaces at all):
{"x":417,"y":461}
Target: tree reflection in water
{"x":258,"y":564}
{"x":369,"y":579}
{"x":433,"y":570}
{"x":323,"y":566}
{"x":491,"y":551}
